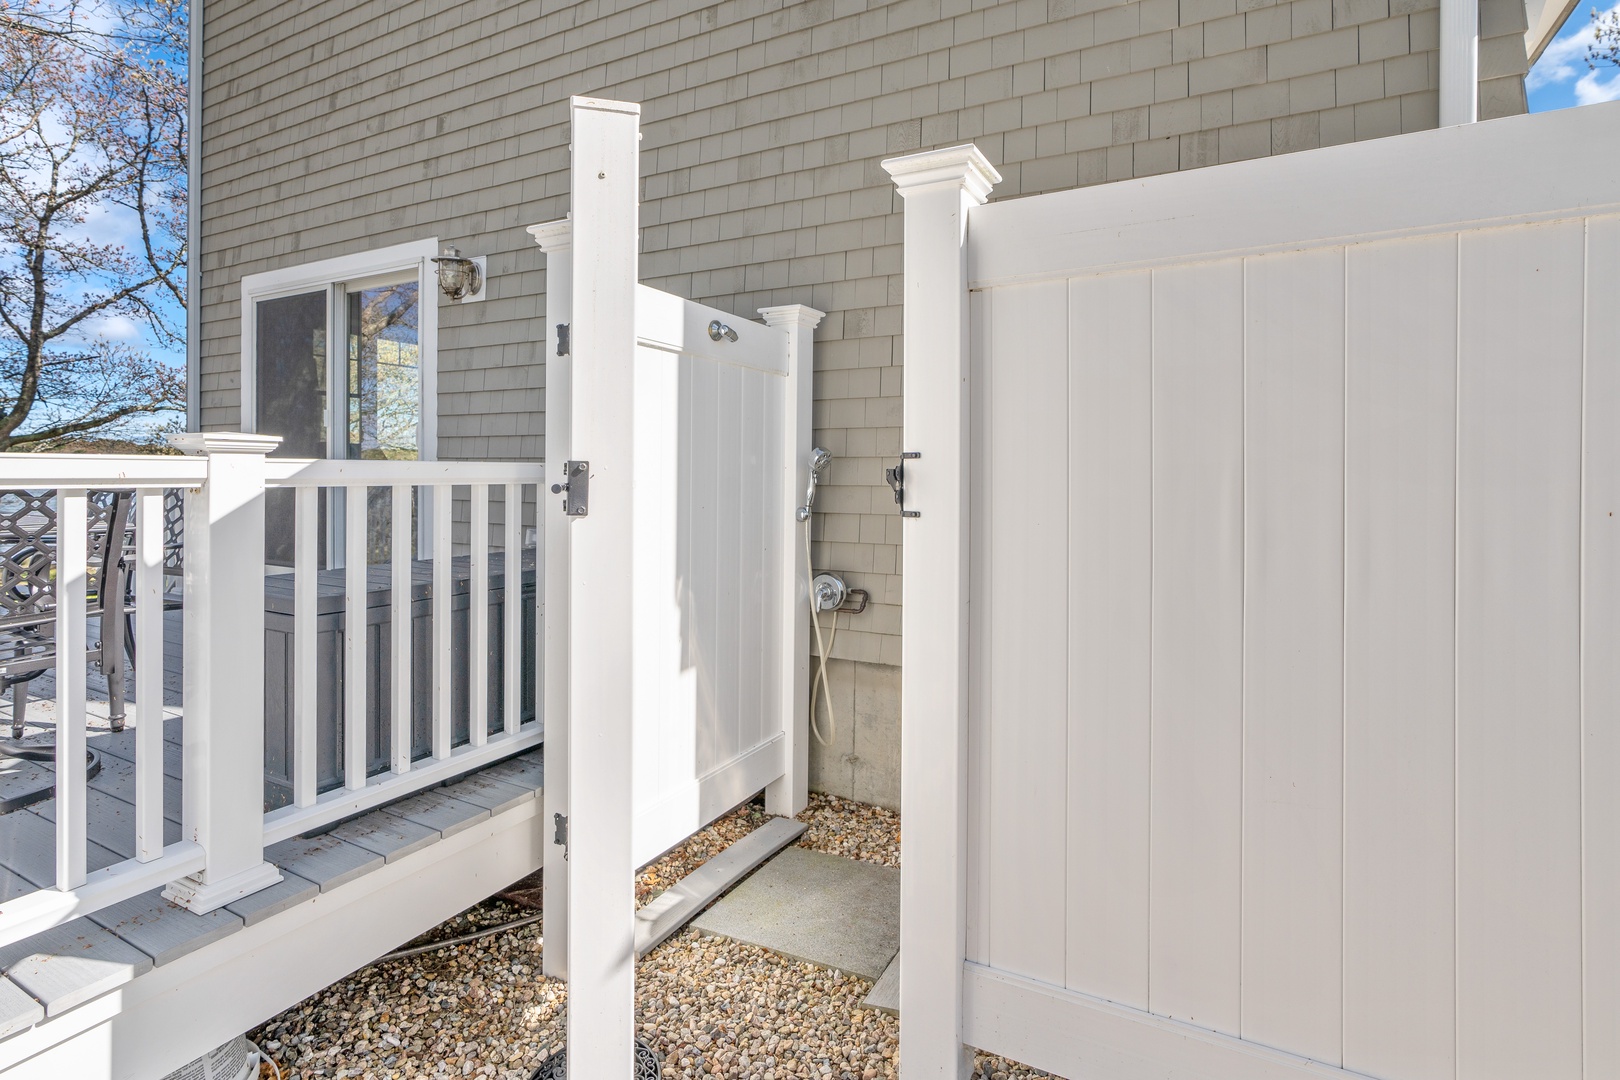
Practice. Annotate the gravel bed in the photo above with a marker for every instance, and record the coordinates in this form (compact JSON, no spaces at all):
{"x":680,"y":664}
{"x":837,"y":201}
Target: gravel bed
{"x":710,"y":1007}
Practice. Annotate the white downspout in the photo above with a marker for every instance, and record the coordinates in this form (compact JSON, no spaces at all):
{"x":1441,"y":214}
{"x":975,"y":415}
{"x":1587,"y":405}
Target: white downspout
{"x":194,"y":67}
{"x":1459,"y":62}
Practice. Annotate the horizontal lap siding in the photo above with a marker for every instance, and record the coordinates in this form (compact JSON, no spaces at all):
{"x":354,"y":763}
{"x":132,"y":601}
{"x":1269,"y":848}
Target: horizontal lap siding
{"x":1311,"y":637}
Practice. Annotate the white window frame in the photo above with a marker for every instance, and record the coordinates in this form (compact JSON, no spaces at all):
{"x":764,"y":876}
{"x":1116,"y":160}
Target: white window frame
{"x":332,"y":275}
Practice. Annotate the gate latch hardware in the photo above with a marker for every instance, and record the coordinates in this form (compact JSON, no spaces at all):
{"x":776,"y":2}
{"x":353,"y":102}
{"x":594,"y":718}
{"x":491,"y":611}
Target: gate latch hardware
{"x":562,"y":339}
{"x":576,"y":489}
{"x":897,"y":480}
{"x":560,"y":836}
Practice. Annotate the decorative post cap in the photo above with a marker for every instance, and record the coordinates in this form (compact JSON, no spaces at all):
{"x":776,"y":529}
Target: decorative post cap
{"x":957,"y":166}
{"x":792,"y":315}
{"x":223,"y":442}
{"x":553,"y":235}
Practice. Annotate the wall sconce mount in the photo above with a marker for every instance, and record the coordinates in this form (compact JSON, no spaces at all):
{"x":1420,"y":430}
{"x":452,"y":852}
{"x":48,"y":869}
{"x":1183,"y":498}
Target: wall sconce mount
{"x":461,"y":277}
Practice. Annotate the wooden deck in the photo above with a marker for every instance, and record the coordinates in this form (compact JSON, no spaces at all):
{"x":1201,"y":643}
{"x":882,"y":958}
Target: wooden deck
{"x":63,"y":968}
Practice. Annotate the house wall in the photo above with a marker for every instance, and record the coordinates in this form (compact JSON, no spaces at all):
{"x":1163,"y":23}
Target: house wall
{"x":331,"y":126}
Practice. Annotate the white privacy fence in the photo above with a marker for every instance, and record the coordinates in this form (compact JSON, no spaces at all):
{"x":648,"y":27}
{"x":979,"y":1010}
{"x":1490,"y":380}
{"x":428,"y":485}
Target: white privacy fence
{"x":1289,"y":738}
{"x":677,"y":591}
{"x":410,"y":699}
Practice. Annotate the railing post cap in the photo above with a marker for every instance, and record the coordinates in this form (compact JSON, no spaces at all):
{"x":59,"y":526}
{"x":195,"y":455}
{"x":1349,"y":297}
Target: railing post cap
{"x":964,"y":166}
{"x":553,"y":236}
{"x":208,"y":443}
{"x":792,"y":315}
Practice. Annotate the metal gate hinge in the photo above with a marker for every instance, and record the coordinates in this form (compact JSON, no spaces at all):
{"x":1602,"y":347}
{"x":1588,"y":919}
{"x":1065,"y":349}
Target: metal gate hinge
{"x":897,"y":480}
{"x":562,"y":339}
{"x":575,"y":489}
{"x":560,"y":837}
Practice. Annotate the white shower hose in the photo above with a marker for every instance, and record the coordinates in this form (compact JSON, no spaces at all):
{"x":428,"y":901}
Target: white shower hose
{"x":819,"y":682}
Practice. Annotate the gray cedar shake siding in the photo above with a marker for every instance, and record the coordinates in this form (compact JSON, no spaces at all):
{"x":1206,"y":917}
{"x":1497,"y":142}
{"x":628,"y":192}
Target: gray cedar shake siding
{"x":337,"y":126}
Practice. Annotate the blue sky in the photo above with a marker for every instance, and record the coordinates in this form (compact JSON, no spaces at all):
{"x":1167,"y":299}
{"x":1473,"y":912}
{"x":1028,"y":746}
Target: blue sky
{"x":1561,"y":77}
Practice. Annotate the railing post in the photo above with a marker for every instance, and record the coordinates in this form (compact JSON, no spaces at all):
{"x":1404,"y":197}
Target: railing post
{"x":556,"y":239}
{"x":940,"y":187}
{"x":791,"y":792}
{"x":224,"y":671}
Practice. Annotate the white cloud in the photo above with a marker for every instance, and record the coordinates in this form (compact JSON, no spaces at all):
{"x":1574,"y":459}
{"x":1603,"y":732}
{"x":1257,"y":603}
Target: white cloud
{"x":1596,"y":86}
{"x":1565,"y":60}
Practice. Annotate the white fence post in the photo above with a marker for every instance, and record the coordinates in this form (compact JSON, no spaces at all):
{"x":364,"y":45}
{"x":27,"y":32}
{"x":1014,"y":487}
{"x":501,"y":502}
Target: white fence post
{"x":224,"y":671}
{"x":556,"y":240}
{"x":791,"y":792}
{"x":939,"y":187}
{"x":601,"y":895}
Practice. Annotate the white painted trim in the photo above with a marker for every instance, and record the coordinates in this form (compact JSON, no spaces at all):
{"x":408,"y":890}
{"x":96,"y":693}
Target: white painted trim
{"x":335,"y":472}
{"x":100,"y":471}
{"x":1251,"y":207}
{"x":1073,"y":1034}
{"x":181,"y":1010}
{"x":788,"y":794}
{"x":223,"y":638}
{"x":556,"y":239}
{"x":411,"y":257}
{"x":934,"y":633}
{"x":661,"y":825}
{"x":1459,"y":62}
{"x":194,"y":115}
{"x":604,"y":180}
{"x":37,"y":911}
{"x":340,"y":803}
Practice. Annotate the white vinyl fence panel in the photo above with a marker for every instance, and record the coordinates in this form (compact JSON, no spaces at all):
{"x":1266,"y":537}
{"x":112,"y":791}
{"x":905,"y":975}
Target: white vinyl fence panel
{"x":1293,"y":722}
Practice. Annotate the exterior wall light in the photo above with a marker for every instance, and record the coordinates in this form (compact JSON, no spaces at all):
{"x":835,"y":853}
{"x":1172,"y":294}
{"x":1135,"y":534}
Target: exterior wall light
{"x":460,"y":278}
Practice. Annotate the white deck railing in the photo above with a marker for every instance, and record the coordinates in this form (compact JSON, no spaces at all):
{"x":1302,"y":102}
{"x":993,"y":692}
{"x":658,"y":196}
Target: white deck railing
{"x":438,"y":483}
{"x":224,"y":479}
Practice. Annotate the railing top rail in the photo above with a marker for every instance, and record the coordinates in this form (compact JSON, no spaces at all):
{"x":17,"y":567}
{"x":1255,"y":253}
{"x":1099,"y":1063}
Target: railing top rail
{"x":100,"y":471}
{"x":305,"y":472}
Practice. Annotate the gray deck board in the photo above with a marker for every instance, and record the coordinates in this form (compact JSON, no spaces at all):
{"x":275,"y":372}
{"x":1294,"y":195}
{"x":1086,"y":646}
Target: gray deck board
{"x":290,"y":891}
{"x":28,"y":848}
{"x":117,"y":778}
{"x":162,"y":930}
{"x":483,"y":790}
{"x":389,"y":836}
{"x":122,"y":746}
{"x":525,"y":771}
{"x":676,"y":905}
{"x":18,"y":1009}
{"x":110,"y":822}
{"x":70,"y":964}
{"x":324,"y":860}
{"x":439,"y":811}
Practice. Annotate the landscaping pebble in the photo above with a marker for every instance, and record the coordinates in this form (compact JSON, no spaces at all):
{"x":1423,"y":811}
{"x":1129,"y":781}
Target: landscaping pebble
{"x":709,"y":1006}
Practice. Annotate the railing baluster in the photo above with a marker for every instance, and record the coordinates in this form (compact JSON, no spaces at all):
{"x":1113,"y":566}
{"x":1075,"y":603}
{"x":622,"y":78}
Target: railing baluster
{"x":73,"y":555}
{"x":354,"y":637}
{"x":478,"y":620}
{"x":400,"y":629}
{"x":443,"y":679}
{"x":306,"y":573}
{"x":512,"y":611}
{"x":149,"y":675}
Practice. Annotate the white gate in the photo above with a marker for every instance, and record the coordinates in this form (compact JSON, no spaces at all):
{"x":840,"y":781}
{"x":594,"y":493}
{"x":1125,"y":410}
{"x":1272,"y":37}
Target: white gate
{"x":676,"y":653}
{"x":1290,"y":737}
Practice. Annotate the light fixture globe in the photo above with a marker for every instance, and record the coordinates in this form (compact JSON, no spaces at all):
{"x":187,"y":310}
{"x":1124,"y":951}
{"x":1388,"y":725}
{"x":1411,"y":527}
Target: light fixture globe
{"x":459,"y":276}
